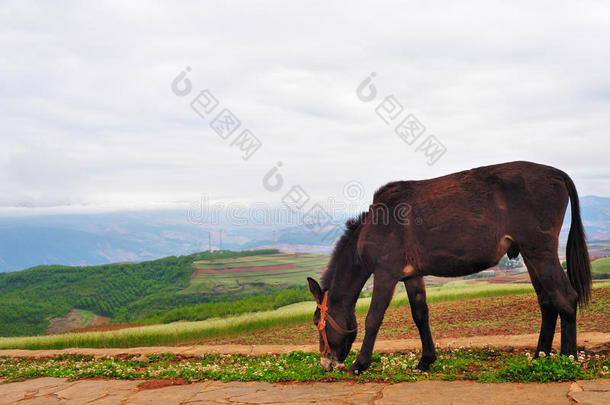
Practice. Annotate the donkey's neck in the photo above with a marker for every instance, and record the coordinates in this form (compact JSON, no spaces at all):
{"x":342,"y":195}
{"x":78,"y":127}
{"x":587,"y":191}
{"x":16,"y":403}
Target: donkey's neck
{"x":346,"y":274}
{"x":345,"y":289}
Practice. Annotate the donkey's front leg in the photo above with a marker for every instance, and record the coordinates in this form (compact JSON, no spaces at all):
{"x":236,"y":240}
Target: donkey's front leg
{"x":416,"y":289}
{"x":383,"y":290}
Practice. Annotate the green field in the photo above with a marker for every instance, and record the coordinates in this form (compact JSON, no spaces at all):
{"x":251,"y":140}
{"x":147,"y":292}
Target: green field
{"x":229,"y":280}
{"x":601,"y":266}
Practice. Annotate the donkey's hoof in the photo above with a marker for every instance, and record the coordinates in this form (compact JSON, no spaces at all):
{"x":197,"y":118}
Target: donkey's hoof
{"x":424,"y":364}
{"x":357,"y":368}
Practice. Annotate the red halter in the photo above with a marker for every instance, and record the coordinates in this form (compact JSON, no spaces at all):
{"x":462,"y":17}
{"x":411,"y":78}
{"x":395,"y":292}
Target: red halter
{"x":324,"y":315}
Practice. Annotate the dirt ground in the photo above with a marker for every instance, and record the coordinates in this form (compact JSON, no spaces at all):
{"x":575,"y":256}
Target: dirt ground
{"x":589,"y":341}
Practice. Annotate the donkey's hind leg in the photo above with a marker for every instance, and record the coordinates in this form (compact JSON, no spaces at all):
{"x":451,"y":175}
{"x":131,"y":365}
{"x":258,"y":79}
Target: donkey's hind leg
{"x":548,"y":311}
{"x":416,"y":289}
{"x":556,"y":296}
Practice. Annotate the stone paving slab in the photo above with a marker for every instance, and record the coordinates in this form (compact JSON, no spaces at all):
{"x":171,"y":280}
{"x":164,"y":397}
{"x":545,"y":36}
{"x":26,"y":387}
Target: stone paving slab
{"x":104,"y":392}
{"x":591,"y":341}
{"x":590,"y":392}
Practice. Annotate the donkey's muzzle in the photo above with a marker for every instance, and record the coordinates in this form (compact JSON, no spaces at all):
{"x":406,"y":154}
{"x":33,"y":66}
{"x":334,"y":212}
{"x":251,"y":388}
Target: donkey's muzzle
{"x":328,"y":364}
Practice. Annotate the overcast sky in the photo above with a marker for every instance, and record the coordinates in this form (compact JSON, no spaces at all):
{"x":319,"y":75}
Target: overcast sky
{"x":89,"y":120}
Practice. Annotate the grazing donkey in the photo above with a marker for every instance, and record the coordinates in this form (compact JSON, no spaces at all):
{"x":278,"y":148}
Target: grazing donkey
{"x":453,"y":226}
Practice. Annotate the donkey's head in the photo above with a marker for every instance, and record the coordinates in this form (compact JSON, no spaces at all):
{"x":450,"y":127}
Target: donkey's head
{"x":337,"y":331}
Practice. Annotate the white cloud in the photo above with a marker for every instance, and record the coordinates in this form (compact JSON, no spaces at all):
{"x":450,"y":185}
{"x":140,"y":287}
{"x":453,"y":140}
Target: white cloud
{"x":88,"y":117}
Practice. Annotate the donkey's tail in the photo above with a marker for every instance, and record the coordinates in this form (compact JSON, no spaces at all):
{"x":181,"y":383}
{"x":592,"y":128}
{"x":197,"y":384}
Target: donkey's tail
{"x":577,"y":255}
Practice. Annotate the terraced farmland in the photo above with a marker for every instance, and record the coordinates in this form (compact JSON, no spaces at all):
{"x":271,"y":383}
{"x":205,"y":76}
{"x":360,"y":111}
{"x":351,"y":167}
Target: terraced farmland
{"x":252,"y":273}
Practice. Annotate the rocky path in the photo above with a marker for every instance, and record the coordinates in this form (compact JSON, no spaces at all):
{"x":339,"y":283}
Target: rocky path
{"x":105,"y":392}
{"x":591,"y":341}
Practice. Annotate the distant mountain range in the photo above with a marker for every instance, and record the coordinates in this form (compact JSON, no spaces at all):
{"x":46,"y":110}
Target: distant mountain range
{"x":144,"y":235}
{"x":595,"y":213}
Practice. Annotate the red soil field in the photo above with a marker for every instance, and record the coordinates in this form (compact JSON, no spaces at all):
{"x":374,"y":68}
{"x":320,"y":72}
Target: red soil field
{"x":108,"y":327}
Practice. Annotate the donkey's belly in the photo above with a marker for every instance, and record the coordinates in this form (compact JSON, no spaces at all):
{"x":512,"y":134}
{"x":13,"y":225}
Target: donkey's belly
{"x":461,"y":259}
{"x":450,"y":267}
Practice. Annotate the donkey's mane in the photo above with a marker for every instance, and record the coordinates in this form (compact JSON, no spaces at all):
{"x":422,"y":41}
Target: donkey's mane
{"x":351,"y":230}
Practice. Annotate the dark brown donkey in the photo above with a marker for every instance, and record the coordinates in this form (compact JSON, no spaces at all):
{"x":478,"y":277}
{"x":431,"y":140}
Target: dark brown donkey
{"x":453,"y":226}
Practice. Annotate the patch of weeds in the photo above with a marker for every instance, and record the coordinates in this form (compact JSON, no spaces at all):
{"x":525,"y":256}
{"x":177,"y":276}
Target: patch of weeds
{"x":162,"y":356}
{"x":555,"y":367}
{"x":153,"y":357}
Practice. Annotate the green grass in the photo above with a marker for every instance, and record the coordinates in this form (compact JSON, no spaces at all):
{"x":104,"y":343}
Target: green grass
{"x":188,"y":332}
{"x":462,"y":289}
{"x":484,"y":365}
{"x":601,"y":266}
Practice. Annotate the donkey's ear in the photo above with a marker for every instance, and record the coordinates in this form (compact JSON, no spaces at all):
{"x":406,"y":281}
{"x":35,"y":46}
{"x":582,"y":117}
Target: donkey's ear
{"x":315,"y":289}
